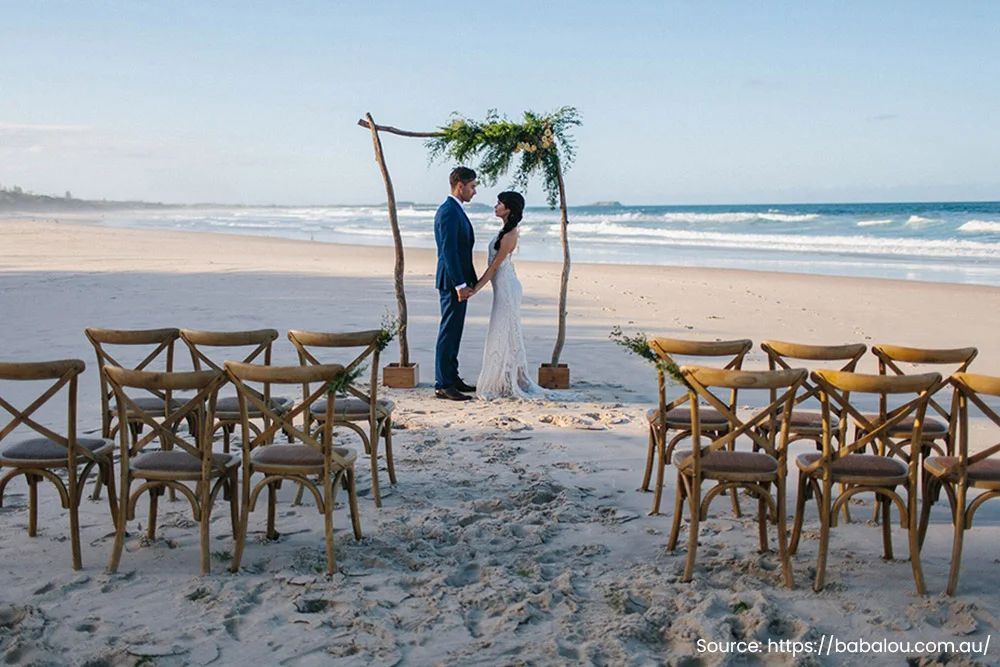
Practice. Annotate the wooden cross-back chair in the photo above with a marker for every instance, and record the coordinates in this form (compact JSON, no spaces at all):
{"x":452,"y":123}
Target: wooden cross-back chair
{"x":940,"y":423}
{"x":37,"y":457}
{"x":192,"y":461}
{"x":161,"y":342}
{"x":808,"y":424}
{"x":359,"y":404}
{"x":315,"y":457}
{"x":896,"y":464}
{"x":675,"y":415}
{"x":963,"y":471}
{"x":227,"y":408}
{"x":754,"y":471}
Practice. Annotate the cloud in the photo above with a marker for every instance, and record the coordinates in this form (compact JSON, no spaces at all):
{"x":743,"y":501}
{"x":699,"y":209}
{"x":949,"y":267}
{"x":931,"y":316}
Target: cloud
{"x":35,"y":128}
{"x":878,"y":118}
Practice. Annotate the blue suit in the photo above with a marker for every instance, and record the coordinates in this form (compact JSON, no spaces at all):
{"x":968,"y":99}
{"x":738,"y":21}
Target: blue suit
{"x":454,"y":237}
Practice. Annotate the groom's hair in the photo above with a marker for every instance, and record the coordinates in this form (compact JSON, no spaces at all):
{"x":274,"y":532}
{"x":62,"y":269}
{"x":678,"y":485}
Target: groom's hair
{"x":461,"y":175}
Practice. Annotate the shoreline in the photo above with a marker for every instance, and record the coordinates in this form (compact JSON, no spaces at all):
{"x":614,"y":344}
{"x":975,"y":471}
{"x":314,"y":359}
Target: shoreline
{"x":421,"y":255}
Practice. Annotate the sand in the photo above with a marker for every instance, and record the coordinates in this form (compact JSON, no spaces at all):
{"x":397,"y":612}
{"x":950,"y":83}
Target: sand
{"x":516,"y":534}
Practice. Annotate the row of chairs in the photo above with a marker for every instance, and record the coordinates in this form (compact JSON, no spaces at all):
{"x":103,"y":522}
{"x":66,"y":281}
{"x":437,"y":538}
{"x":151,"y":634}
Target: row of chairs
{"x":139,"y":398}
{"x":707,"y":409}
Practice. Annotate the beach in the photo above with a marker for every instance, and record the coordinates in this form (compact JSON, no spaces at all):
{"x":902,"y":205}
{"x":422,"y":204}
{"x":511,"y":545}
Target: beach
{"x":516,"y":533}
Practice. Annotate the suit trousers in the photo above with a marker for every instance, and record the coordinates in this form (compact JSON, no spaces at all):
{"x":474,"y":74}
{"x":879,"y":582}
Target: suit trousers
{"x":449,"y":338}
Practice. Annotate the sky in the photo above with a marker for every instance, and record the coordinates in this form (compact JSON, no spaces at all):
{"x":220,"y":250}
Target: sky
{"x":682,"y":102}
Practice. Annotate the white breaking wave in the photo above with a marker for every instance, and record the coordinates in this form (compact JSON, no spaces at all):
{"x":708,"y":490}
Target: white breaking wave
{"x":917,"y":220}
{"x":981,"y":226}
{"x":620,"y":234}
{"x":872,"y":223}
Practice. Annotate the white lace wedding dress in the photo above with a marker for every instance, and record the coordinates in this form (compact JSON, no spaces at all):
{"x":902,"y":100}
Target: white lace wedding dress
{"x":505,"y":365}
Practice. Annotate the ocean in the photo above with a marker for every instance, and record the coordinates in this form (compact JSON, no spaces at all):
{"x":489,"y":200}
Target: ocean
{"x":941,"y":242}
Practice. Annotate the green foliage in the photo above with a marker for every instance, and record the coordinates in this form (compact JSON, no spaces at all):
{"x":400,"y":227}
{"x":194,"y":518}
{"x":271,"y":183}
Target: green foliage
{"x":345,"y":379}
{"x":639,"y":346}
{"x":538,"y":144}
{"x":389,"y":330}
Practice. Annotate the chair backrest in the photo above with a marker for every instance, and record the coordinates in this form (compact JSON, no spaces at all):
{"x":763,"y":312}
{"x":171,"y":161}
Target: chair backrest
{"x":63,"y":373}
{"x":160,"y":340}
{"x":971,"y":388}
{"x":242,"y":375}
{"x":307,"y":342}
{"x":259,"y":340}
{"x":728,"y":353}
{"x":780,"y":353}
{"x":890,"y":356}
{"x":701,"y":382}
{"x":200,"y":407}
{"x":835,"y":388}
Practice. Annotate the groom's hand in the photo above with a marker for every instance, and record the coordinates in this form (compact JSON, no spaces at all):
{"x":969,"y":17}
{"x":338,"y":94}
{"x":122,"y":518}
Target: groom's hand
{"x":464,"y":293}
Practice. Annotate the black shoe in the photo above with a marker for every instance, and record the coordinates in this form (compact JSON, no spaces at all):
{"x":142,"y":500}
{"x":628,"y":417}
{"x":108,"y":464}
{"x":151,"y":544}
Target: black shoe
{"x":451,"y":394}
{"x":467,"y":388}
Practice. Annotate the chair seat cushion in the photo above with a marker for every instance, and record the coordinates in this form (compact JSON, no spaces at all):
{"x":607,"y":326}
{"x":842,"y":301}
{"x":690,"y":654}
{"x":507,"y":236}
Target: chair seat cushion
{"x":731,"y":462}
{"x":932,"y":426}
{"x":987,"y":470}
{"x":43,"y":449}
{"x":807,"y":418}
{"x":295,"y":455}
{"x":352,"y":407}
{"x":177,"y":461}
{"x":229,"y":406}
{"x":151,"y":404}
{"x":708,"y":416}
{"x":858,"y":465}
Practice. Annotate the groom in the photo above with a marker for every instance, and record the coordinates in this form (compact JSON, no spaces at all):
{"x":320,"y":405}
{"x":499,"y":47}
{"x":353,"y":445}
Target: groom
{"x":455,"y":279}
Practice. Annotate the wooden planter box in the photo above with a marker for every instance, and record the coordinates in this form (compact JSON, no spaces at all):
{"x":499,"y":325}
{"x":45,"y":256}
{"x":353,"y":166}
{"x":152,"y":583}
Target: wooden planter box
{"x":401,"y":377}
{"x":553,"y":377}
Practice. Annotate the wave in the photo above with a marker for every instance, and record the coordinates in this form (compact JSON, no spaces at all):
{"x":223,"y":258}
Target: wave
{"x":981,"y":226}
{"x":864,"y":245}
{"x":872,"y":223}
{"x":917,"y":220}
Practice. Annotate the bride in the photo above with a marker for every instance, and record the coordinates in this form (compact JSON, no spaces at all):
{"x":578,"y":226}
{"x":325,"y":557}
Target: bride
{"x":505,"y":366}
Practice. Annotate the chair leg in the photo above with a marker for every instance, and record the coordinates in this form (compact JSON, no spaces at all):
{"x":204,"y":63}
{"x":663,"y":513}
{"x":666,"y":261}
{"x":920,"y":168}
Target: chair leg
{"x":109,"y":478}
{"x":931,"y":490}
{"x":234,"y":504}
{"x":734,"y":492}
{"x":241,"y":533}
{"x":783,"y":554}
{"x":227,"y":431}
{"x":98,"y":483}
{"x":650,"y":454}
{"x":694,"y":500}
{"x":956,"y":544}
{"x":154,"y":496}
{"x":116,"y":549}
{"x":206,"y":514}
{"x":800,"y":509}
{"x":824,"y":534}
{"x":762,"y":520}
{"x":272,"y":505}
{"x":660,"y":466}
{"x":74,"y":517}
{"x":32,"y":504}
{"x":886,"y":526}
{"x":911,"y":529}
{"x":387,"y":436}
{"x":675,"y":528}
{"x":373,"y":454}
{"x":331,"y":565}
{"x":352,"y":497}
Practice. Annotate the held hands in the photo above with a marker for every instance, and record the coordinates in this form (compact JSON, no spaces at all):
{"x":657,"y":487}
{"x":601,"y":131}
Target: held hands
{"x":465,"y":292}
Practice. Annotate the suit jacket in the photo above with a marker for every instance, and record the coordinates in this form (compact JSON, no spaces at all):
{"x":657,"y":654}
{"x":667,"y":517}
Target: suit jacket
{"x":455,"y":238}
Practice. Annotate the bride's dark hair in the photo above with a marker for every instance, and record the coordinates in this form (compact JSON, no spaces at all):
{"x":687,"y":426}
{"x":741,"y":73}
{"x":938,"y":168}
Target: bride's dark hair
{"x":515,"y":204}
